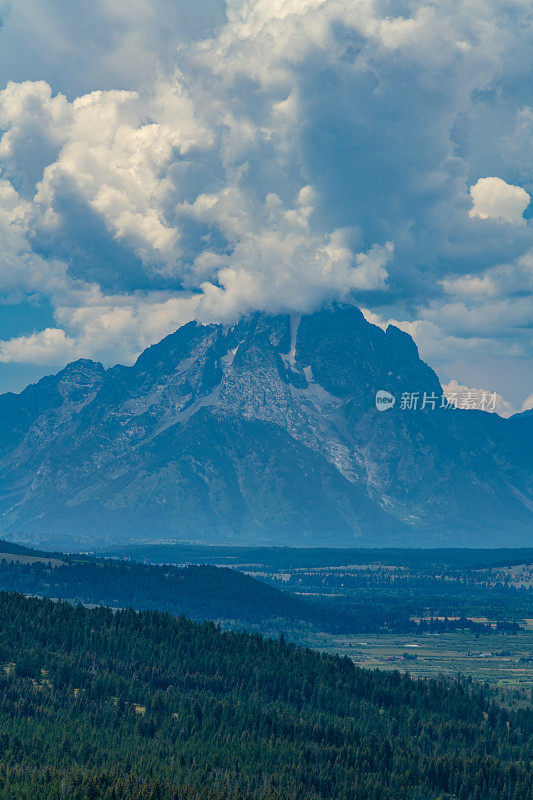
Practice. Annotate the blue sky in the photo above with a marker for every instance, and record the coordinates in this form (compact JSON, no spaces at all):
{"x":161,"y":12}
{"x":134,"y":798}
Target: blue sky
{"x":162,"y":161}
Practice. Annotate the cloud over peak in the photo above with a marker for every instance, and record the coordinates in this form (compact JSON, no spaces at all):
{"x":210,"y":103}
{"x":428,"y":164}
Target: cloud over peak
{"x":274,"y":154}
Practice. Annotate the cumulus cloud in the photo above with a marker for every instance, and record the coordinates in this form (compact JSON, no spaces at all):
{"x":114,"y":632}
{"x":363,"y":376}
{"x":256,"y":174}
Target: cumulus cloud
{"x":527,"y":405}
{"x":495,"y":199}
{"x":469,"y":398}
{"x":50,"y":346}
{"x":469,"y":286}
{"x":100,"y":326}
{"x":274,"y":155}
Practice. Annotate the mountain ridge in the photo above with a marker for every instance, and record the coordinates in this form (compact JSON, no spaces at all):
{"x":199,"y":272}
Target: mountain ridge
{"x":265,"y":431}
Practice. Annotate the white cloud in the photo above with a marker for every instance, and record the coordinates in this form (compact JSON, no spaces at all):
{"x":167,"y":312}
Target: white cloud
{"x":99,"y":327}
{"x":469,"y":398}
{"x":495,"y":199}
{"x":50,"y":346}
{"x":469,"y":286}
{"x":116,"y":158}
{"x":93,"y":323}
{"x":527,"y":405}
{"x":35,"y":124}
{"x":278,"y":261}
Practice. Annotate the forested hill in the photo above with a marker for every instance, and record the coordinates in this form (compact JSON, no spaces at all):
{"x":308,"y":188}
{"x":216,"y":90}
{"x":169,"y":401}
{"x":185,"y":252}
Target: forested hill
{"x":201,"y":592}
{"x":330,"y":601}
{"x":103,"y":705}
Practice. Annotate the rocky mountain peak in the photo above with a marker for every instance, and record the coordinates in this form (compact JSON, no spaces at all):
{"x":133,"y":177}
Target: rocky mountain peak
{"x":264,"y":431}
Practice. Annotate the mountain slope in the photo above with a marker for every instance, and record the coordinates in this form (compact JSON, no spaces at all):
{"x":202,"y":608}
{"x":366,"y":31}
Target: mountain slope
{"x":263,"y":432}
{"x":128,"y":705}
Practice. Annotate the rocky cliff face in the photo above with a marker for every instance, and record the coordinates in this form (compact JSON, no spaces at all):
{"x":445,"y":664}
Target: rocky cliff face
{"x":263,"y":432}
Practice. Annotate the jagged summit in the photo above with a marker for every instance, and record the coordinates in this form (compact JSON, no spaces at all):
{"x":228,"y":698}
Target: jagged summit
{"x":263,"y":432}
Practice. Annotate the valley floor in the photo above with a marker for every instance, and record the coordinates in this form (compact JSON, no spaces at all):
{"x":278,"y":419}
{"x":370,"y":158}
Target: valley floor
{"x":502,"y":660}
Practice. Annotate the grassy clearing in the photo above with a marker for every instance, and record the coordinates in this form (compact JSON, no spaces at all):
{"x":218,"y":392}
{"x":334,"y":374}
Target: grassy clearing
{"x":18,"y":558}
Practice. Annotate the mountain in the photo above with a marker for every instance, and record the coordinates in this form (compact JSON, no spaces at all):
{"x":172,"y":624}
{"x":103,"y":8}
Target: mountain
{"x":262,"y":432}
